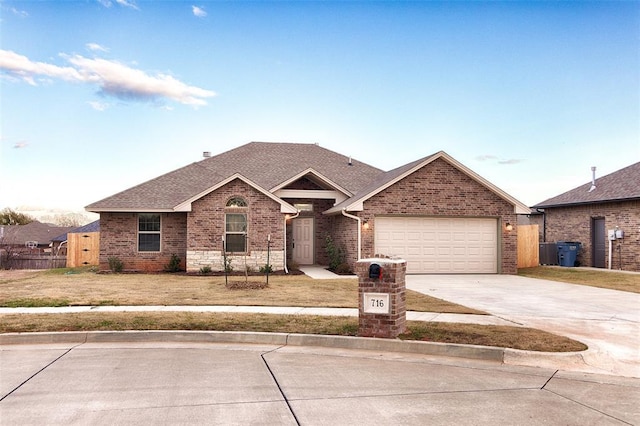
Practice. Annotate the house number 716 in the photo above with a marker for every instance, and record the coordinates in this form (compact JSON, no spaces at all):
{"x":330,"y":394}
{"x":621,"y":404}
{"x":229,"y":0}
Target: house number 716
{"x":377,"y":303}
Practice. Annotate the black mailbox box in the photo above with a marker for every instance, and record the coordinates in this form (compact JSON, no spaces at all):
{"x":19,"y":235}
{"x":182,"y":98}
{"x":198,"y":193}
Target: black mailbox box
{"x":375,"y":271}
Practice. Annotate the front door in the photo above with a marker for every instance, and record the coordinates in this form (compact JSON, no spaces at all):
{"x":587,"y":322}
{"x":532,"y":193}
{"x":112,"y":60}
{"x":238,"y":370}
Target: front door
{"x":598,"y":243}
{"x":303,"y":241}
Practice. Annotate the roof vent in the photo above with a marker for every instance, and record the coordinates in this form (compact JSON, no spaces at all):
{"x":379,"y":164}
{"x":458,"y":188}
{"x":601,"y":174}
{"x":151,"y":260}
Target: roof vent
{"x":593,"y":178}
{"x":350,"y":162}
{"x":206,"y":154}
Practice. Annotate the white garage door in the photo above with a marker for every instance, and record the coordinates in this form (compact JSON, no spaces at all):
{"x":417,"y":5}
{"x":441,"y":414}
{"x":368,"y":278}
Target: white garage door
{"x":440,"y":245}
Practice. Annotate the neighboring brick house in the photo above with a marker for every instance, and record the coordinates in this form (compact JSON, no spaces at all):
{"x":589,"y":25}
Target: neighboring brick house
{"x":587,"y":213}
{"x":436,"y":213}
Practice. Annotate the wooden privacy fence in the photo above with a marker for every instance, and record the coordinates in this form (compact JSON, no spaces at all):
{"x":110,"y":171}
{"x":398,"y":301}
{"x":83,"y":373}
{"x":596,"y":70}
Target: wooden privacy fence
{"x":528,"y":246}
{"x":34,"y":261}
{"x":83,"y":249}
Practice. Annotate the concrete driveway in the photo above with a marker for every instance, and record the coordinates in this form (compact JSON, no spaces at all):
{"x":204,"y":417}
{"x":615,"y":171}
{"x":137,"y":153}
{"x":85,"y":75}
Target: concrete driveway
{"x":608,"y":321}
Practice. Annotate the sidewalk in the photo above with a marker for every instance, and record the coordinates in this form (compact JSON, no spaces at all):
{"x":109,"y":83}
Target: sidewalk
{"x":277,"y":310}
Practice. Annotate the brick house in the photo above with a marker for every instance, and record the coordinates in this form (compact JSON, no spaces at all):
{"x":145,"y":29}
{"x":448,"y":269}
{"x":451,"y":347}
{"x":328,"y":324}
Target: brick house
{"x":587,"y":213}
{"x":288,"y":198}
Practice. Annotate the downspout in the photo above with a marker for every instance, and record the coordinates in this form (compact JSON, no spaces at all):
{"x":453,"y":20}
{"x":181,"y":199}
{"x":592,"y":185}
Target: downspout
{"x":286,"y":270}
{"x":350,"y":216}
{"x":544,"y":225}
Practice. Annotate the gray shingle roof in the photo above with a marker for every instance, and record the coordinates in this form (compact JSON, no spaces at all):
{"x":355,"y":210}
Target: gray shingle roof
{"x":43,"y":233}
{"x":89,"y":227}
{"x":266,"y":164}
{"x":617,"y":186}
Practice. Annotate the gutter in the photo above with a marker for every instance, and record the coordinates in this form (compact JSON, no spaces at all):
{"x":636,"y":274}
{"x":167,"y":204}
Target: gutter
{"x":350,"y":216}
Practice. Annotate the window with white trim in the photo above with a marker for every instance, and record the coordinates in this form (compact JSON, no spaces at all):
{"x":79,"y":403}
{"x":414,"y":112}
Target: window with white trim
{"x":235,"y":225}
{"x":149,"y":232}
{"x":236,"y":232}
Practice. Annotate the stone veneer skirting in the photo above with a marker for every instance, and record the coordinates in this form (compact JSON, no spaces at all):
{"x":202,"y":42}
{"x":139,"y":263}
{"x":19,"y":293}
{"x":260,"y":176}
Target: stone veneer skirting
{"x":197,"y":259}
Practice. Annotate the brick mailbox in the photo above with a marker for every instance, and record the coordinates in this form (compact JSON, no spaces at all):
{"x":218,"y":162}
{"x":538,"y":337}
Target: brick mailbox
{"x":382,"y":309}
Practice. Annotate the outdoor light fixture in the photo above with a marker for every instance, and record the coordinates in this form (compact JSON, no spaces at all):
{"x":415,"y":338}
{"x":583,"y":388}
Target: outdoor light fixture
{"x":365,"y":224}
{"x":508,"y":227}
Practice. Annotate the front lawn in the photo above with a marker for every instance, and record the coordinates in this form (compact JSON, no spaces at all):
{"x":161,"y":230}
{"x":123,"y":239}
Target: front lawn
{"x":592,"y":277}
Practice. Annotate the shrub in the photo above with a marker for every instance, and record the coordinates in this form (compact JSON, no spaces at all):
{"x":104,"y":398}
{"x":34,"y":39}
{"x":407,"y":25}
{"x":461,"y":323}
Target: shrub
{"x":205,"y":270}
{"x":226,"y":263}
{"x":115,"y":264}
{"x":174,"y":264}
{"x":266,"y":269}
{"x":343,"y":269}
{"x":336,"y":254}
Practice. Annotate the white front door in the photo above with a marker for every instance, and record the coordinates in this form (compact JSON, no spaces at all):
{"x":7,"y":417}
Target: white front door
{"x":303,"y":241}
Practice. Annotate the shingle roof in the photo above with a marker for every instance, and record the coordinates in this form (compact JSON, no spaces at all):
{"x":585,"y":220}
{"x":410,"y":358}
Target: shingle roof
{"x":266,"y":164}
{"x":43,"y":233}
{"x":617,"y":186}
{"x":89,"y":227}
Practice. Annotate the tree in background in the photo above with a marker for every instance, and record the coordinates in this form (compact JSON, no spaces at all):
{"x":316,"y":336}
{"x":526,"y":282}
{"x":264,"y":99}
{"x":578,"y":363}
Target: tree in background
{"x":67,"y":219}
{"x":11,"y":217}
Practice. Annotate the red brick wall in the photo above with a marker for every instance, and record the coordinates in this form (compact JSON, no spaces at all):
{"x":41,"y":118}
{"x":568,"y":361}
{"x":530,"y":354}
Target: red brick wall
{"x":206,"y":221}
{"x":439,"y":189}
{"x":574,"y":224}
{"x":119,"y":238}
{"x":345,"y":236}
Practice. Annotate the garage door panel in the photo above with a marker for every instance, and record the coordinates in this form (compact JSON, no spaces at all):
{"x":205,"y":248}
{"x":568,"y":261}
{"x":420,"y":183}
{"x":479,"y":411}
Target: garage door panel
{"x":440,"y":245}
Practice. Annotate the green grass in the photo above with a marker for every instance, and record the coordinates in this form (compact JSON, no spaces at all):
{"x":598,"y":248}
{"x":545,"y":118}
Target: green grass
{"x":604,"y":279}
{"x":34,"y":303}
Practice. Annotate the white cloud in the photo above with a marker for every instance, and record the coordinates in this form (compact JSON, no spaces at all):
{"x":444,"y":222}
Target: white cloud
{"x":23,"y":68}
{"x":199,"y":11}
{"x":95,"y":47}
{"x":112,"y":77}
{"x":127,"y":3}
{"x":21,"y":144}
{"x":511,"y":161}
{"x":99,"y":106}
{"x":498,"y":160}
{"x":20,"y":13}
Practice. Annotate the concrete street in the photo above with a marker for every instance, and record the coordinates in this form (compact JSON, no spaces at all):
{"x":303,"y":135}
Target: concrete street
{"x":182,"y":382}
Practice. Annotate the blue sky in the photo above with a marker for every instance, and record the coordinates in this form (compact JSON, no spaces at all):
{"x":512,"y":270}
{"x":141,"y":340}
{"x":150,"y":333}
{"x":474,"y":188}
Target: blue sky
{"x":98,"y":96}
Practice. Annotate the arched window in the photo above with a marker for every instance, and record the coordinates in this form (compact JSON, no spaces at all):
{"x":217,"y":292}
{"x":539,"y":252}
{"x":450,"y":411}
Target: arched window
{"x":237,"y":202}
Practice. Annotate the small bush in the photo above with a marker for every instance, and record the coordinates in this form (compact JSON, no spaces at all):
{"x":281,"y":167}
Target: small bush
{"x":226,"y":263}
{"x":174,"y":264}
{"x":205,"y":270}
{"x":115,"y":264}
{"x":336,"y":254}
{"x":266,"y":269}
{"x":343,"y":269}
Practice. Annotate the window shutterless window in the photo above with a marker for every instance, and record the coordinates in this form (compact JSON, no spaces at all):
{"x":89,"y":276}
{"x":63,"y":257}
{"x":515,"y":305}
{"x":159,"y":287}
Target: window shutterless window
{"x":148,"y":232}
{"x":235,"y":232}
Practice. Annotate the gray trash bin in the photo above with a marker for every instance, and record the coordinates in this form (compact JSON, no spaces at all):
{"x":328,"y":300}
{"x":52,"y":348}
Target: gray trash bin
{"x":568,"y":252}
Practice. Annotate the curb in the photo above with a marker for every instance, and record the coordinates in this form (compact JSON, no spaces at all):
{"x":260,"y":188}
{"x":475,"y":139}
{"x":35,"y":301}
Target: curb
{"x":487,"y":353}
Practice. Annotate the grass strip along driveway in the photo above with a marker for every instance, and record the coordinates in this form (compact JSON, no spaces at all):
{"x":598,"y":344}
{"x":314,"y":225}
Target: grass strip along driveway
{"x":82,"y":287}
